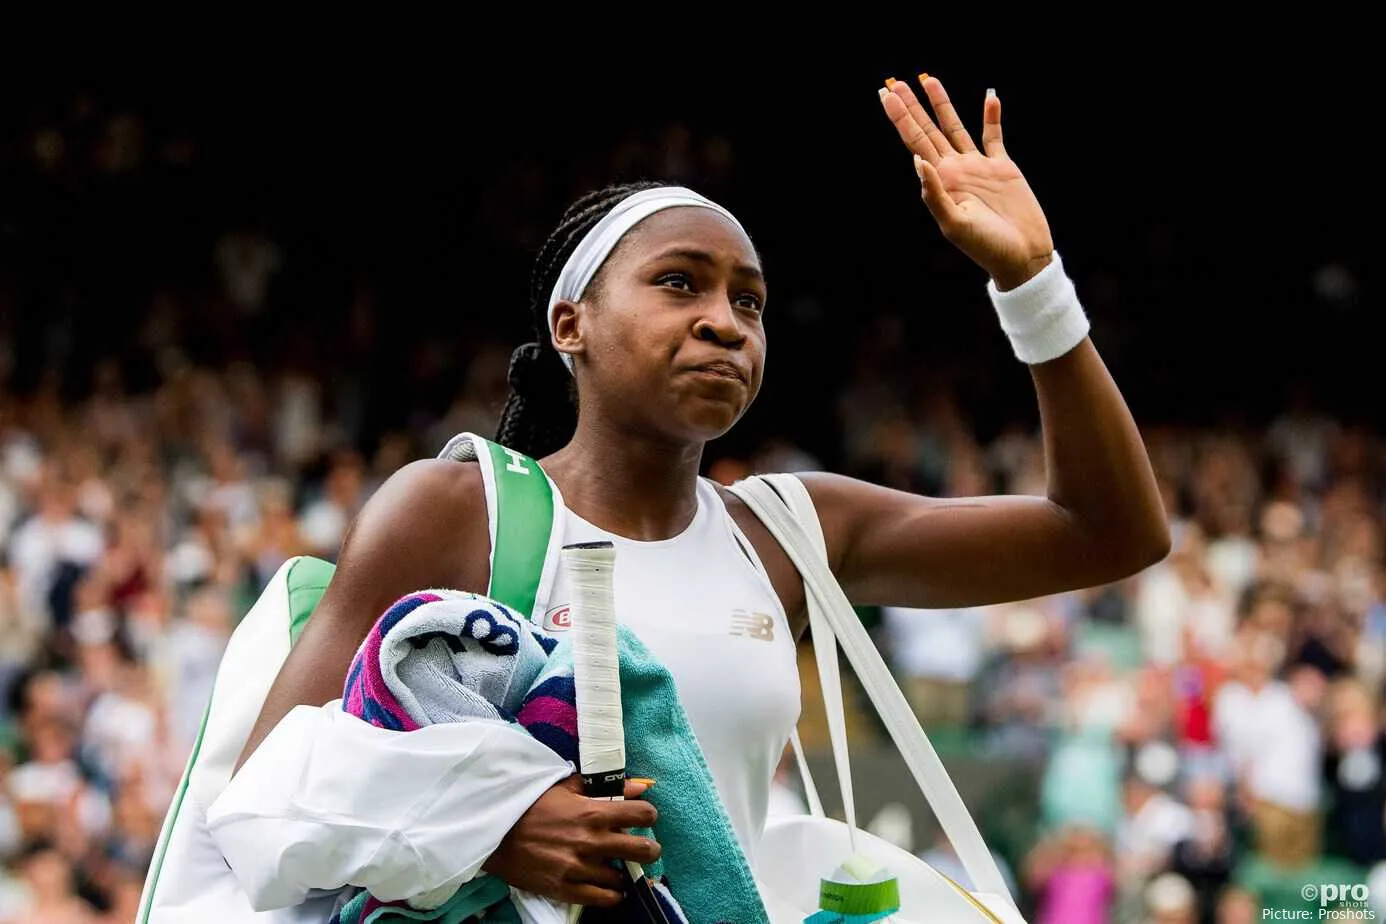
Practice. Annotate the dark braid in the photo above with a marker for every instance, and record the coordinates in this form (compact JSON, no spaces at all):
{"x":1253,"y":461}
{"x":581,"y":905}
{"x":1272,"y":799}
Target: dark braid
{"x":540,"y":415}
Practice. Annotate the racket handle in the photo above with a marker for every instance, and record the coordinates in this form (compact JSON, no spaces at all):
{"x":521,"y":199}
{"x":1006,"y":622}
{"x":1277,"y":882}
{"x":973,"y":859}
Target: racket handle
{"x":590,"y":567}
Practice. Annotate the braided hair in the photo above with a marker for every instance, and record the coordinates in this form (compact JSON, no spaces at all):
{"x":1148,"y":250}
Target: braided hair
{"x":540,"y":414}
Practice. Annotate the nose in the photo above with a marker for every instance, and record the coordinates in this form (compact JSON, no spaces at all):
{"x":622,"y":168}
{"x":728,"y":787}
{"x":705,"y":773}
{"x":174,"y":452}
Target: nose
{"x":718,"y":324}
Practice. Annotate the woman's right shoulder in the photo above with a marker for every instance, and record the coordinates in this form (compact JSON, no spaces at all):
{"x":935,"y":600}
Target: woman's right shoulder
{"x":425,"y":526}
{"x":440,"y":485}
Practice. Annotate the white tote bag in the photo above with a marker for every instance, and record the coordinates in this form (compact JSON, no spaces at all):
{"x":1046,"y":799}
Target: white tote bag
{"x":797,"y":852}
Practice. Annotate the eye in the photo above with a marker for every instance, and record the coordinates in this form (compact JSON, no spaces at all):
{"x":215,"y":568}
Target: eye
{"x":750,"y":301}
{"x":680,"y":281}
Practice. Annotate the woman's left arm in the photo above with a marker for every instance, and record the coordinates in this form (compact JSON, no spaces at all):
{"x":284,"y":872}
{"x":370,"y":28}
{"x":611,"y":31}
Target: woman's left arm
{"x":1103,"y":518}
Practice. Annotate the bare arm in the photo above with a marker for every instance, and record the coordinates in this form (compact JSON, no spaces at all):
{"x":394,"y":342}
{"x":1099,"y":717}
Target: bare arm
{"x":1103,"y":518}
{"x":425,"y":527}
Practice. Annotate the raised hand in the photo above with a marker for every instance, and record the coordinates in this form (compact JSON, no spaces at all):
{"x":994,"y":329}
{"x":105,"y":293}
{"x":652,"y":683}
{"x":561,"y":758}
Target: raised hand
{"x":978,"y":197}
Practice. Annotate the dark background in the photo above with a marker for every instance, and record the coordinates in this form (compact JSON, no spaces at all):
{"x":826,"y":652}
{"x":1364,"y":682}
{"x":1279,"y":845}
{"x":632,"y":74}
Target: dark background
{"x":1200,"y":189}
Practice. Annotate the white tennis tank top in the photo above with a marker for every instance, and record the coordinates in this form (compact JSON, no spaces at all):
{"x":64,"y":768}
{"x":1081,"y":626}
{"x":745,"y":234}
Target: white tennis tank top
{"x":703,"y":604}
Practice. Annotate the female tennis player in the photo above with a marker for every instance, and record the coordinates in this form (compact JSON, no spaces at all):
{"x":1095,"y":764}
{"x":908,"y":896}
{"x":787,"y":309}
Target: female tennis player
{"x":649,"y":304}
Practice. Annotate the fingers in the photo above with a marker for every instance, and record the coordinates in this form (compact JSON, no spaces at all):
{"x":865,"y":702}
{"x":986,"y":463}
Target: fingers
{"x":911,"y":132}
{"x":593,"y":897}
{"x":991,"y":126}
{"x":597,"y":872}
{"x":636,"y":787}
{"x":632,"y":814}
{"x":620,"y":846}
{"x":937,"y":140}
{"x":948,"y":119}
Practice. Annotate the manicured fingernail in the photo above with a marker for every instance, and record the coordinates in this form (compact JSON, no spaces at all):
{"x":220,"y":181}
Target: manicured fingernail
{"x":991,"y":93}
{"x":919,"y":166}
{"x":882,"y":92}
{"x":923,"y":76}
{"x":890,"y":82}
{"x":642,"y":779}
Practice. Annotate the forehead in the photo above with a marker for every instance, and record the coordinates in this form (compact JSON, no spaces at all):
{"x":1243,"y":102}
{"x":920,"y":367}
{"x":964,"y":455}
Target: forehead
{"x":690,"y":227}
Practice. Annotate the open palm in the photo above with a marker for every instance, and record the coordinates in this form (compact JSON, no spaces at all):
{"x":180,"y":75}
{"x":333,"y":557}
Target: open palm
{"x":978,"y":197}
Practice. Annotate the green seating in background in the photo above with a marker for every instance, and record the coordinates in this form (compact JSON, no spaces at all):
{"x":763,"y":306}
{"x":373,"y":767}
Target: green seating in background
{"x":1120,"y":644}
{"x":1279,"y":888}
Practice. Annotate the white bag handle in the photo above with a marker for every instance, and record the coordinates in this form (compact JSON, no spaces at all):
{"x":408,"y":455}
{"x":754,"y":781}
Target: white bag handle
{"x":783,"y":504}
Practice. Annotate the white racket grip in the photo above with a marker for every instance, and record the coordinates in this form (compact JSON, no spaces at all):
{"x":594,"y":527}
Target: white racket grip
{"x":590,"y":567}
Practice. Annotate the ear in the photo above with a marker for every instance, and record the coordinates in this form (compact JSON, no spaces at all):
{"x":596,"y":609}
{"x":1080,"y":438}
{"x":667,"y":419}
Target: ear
{"x":567,"y":327}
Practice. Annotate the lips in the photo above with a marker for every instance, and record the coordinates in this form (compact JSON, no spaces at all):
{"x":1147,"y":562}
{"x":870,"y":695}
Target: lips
{"x":724,"y":369}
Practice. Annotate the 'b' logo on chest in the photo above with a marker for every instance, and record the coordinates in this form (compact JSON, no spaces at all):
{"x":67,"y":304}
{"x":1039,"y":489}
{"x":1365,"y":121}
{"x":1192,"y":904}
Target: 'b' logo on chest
{"x":759,"y":626}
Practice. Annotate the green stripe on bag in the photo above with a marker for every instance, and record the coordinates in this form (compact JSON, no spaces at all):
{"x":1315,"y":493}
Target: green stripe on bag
{"x":524,"y":518}
{"x":307,"y":580}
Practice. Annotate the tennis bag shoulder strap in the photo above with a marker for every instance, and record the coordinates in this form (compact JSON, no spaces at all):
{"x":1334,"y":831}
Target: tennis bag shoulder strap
{"x":783,"y":504}
{"x":524,"y":519}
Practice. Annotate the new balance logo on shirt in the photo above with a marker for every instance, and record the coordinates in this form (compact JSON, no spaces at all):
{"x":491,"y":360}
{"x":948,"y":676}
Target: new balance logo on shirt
{"x":758,"y":626}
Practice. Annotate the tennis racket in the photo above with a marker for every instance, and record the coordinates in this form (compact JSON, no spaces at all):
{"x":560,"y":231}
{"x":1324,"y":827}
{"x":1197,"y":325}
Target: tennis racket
{"x":590,"y":567}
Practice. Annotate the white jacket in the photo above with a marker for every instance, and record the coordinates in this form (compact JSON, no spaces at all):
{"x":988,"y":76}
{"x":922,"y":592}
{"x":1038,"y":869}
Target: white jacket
{"x":384,"y":801}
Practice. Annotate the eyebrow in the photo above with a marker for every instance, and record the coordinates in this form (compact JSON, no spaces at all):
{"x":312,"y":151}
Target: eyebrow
{"x":707,"y":259}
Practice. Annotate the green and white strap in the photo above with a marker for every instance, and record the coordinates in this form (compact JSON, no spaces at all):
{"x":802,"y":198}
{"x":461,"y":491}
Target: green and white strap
{"x":783,"y":504}
{"x":523,"y":512}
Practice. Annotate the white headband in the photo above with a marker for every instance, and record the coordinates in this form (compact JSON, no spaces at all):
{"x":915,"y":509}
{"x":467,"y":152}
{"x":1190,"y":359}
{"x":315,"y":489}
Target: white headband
{"x":597,"y":244}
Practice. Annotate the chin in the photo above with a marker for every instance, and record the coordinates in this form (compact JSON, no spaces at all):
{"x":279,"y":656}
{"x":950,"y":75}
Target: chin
{"x":709,"y":422}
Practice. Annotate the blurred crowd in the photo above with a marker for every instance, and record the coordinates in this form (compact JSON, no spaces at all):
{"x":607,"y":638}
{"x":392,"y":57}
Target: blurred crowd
{"x":1208,"y":735}
{"x":1216,"y":719}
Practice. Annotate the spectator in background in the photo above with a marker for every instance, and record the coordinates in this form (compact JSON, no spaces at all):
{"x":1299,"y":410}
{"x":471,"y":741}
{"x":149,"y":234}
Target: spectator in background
{"x":1274,"y":743}
{"x":1154,"y":821}
{"x":1169,"y":899}
{"x":1181,"y":592}
{"x":936,"y":654}
{"x":1082,"y":778}
{"x":50,"y":550}
{"x":323,"y":524}
{"x":1355,"y":775}
{"x":477,"y":407}
{"x":1074,"y":877}
{"x":1206,"y":856}
{"x":188,"y":659}
{"x":274,"y":537}
{"x":1020,"y":685}
{"x":46,"y":893}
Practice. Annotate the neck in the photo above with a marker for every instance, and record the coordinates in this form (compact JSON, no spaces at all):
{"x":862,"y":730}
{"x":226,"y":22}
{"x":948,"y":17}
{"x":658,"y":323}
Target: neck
{"x":627,"y":482}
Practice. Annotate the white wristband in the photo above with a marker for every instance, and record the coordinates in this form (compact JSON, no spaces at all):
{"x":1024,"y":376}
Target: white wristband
{"x":1042,"y":317}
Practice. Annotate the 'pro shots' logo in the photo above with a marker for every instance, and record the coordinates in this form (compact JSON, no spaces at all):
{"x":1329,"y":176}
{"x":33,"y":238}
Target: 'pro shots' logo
{"x":557,"y":619}
{"x":1337,"y":901}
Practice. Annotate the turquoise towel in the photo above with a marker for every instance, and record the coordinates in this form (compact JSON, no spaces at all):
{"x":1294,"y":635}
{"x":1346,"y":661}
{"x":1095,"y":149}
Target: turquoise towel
{"x":702,"y":860}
